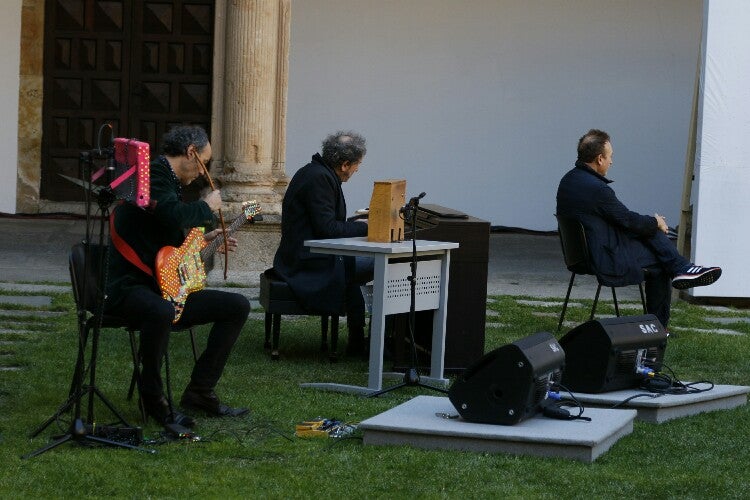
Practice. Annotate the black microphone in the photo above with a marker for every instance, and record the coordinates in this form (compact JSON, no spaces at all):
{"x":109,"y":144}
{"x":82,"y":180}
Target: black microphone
{"x":415,"y":200}
{"x":410,"y":208}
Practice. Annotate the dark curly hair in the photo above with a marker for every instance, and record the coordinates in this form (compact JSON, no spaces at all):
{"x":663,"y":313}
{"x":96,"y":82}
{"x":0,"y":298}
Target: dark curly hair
{"x":343,"y":147}
{"x":591,"y":145}
{"x":176,"y":141}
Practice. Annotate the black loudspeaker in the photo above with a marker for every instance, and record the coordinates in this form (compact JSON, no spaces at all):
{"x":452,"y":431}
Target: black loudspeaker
{"x":510,"y":383}
{"x":614,"y":353}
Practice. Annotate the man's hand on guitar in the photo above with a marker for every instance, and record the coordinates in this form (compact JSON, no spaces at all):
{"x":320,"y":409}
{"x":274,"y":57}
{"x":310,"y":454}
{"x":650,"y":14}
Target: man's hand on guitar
{"x":231,"y":242}
{"x":213,"y":200}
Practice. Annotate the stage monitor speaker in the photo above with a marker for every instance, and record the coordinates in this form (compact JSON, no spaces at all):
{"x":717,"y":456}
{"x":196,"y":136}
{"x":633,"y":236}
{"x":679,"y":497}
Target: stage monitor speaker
{"x":510,"y":383}
{"x":611,"y":354}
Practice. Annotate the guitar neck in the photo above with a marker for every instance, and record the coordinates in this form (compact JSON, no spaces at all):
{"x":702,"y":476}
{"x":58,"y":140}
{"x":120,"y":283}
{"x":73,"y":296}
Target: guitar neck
{"x":214,"y":244}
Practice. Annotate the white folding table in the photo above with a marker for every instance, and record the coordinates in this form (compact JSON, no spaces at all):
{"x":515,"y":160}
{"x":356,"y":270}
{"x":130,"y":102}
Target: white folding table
{"x":391,"y":294}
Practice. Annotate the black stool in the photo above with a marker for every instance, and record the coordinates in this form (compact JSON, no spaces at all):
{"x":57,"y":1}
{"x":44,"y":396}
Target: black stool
{"x":277,"y":298}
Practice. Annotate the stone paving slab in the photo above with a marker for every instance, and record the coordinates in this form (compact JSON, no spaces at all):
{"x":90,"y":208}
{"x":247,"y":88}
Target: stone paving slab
{"x":17,"y":332}
{"x":718,"y":308}
{"x":34,"y":288}
{"x":31,"y":314}
{"x":497,"y":325}
{"x":727,"y":321}
{"x":634,"y":306}
{"x":544,"y":303}
{"x":26,"y":300}
{"x":18,"y":326}
{"x":540,"y":314}
{"x":417,"y":423}
{"x":660,"y":408}
{"x":716,"y":331}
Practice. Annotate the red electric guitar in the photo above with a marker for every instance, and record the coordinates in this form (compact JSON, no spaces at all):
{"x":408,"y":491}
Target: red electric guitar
{"x":181,"y":271}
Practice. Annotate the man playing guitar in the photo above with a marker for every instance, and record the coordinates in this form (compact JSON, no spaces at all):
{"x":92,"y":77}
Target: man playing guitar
{"x":133,"y":292}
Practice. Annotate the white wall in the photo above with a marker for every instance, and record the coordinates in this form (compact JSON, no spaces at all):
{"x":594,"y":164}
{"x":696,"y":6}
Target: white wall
{"x":10,"y":57}
{"x":480,"y":103}
{"x":721,"y":228}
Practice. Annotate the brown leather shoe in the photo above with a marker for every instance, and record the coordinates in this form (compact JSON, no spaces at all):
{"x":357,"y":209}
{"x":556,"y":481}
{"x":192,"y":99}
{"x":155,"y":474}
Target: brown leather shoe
{"x":157,"y":407}
{"x":208,"y":402}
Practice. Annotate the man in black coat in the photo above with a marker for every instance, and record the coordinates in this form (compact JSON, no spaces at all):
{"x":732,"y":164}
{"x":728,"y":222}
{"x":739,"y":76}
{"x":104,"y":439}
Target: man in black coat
{"x":133,"y":293}
{"x":314,"y":208}
{"x":621,"y":242}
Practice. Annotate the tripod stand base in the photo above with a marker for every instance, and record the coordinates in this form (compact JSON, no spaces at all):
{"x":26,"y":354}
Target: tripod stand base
{"x":367,"y":391}
{"x":82,"y":433}
{"x":411,"y":379}
{"x":75,"y":399}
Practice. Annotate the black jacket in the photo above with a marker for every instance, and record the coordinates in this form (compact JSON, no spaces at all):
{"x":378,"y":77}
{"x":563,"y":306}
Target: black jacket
{"x":610,"y":227}
{"x":147,"y":230}
{"x":314,"y":208}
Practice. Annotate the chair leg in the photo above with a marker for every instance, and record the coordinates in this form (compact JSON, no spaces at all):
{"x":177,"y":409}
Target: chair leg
{"x":276,"y":331}
{"x":168,"y":378}
{"x":324,"y":333}
{"x":267,"y":340}
{"x":565,"y":304}
{"x":596,"y":301}
{"x":193,"y":345}
{"x":135,"y":380}
{"x":333,"y":354}
{"x":643,"y":298}
{"x":614,"y":298}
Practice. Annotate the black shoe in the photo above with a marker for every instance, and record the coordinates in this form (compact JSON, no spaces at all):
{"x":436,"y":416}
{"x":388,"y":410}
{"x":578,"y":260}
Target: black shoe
{"x":696,"y":276}
{"x":157,"y":407}
{"x":208,"y":402}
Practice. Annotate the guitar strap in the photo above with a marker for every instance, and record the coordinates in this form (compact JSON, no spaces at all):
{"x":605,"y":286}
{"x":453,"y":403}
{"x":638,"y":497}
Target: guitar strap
{"x":125,"y":249}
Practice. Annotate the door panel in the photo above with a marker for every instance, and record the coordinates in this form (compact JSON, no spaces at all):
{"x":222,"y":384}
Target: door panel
{"x":140,"y":66}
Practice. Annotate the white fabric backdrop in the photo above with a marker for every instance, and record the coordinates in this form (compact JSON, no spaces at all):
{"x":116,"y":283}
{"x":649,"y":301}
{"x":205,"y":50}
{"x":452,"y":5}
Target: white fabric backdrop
{"x":721,"y":194}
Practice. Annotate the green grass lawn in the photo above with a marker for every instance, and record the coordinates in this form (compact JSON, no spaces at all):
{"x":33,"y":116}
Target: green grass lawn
{"x":703,"y":456}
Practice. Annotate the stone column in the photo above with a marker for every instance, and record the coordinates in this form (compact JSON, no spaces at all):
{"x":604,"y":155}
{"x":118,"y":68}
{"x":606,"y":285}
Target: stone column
{"x":30,"y":107}
{"x":256,"y":69}
{"x":249,"y":126}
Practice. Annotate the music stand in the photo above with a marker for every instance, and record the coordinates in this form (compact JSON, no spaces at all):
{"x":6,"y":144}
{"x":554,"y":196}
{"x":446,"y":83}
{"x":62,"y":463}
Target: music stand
{"x":78,"y":430}
{"x":411,"y":375}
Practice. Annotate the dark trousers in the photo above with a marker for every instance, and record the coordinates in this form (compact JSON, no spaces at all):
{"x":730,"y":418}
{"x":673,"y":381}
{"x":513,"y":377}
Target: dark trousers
{"x":359,"y":271}
{"x":659,"y":256}
{"x":148,"y":312}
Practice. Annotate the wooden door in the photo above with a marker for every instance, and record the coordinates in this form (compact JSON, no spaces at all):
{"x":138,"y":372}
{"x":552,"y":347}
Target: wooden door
{"x":140,"y":66}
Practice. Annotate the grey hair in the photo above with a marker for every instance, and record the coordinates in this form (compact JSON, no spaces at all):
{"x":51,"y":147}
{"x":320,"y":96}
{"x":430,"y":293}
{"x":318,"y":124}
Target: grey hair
{"x":176,"y":141}
{"x":343,"y":147}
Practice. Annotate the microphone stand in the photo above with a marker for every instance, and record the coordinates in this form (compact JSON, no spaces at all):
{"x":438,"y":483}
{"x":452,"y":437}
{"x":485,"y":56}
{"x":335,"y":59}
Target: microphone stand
{"x":411,"y":375}
{"x":82,"y":430}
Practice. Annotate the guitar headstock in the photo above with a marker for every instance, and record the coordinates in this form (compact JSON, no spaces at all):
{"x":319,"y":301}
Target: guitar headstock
{"x":250,"y":209}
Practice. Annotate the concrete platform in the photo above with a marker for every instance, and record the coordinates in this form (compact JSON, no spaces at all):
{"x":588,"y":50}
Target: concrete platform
{"x":415,"y":423}
{"x":658,"y":408}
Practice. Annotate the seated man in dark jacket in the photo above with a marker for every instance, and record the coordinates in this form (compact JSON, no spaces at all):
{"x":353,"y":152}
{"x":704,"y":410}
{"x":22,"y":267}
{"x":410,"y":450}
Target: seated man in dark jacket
{"x":314,"y":208}
{"x":621,"y":242}
{"x":133,"y":292}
